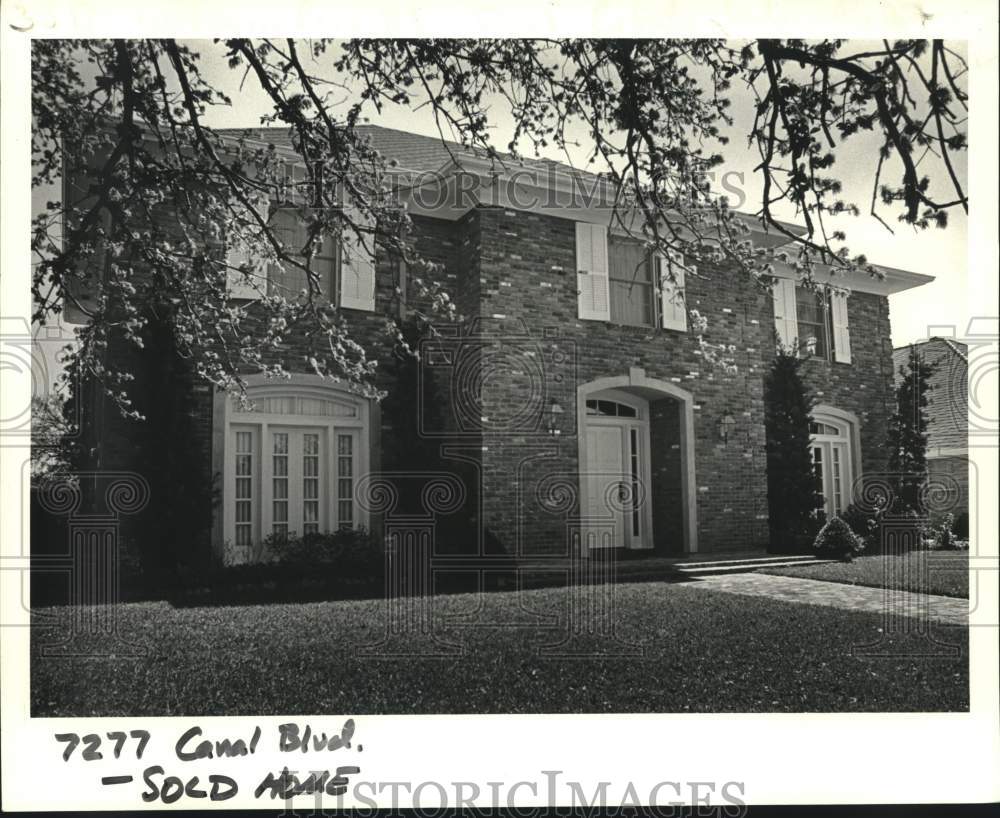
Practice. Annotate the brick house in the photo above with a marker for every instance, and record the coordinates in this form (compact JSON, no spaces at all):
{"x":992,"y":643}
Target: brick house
{"x":574,"y":407}
{"x":947,"y":414}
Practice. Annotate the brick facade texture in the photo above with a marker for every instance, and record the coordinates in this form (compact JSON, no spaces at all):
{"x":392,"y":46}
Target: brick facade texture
{"x":522,"y":347}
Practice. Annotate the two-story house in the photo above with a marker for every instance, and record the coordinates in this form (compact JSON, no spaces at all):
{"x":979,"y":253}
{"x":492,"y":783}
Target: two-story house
{"x":575,"y":408}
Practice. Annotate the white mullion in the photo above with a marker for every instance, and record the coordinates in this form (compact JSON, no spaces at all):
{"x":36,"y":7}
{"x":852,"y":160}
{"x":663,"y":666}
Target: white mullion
{"x":327,"y":499}
{"x":295,"y":516}
{"x":265,"y":491}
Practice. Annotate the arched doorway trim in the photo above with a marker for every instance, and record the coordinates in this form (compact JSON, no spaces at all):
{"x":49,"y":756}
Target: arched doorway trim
{"x":652,"y":389}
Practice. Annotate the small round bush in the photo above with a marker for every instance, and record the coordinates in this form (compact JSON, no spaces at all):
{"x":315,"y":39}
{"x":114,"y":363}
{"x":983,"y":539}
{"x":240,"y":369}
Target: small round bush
{"x":835,"y":539}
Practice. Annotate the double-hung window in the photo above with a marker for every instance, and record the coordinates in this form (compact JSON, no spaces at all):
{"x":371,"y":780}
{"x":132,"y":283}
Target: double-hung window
{"x":620,"y":281}
{"x":814,"y":322}
{"x":632,"y":292}
{"x":810,"y":321}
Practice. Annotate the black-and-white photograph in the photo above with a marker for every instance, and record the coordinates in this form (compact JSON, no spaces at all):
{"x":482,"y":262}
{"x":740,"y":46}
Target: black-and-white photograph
{"x":475,"y":376}
{"x":501,"y":376}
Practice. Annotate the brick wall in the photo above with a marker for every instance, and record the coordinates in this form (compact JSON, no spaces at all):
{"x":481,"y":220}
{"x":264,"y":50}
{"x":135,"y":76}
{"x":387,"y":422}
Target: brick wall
{"x":528,"y":277}
{"x":863,"y":386}
{"x":512,"y":275}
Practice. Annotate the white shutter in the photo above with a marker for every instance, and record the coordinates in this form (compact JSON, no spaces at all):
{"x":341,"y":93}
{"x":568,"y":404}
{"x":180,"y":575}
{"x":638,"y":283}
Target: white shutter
{"x":672,"y":303}
{"x":357,"y":264}
{"x":841,"y":332}
{"x":785,"y":318}
{"x":592,"y":271}
{"x":239,"y":254}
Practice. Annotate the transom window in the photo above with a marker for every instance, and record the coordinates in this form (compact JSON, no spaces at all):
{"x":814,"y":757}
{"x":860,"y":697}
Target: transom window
{"x":631,"y":286}
{"x":611,"y":409}
{"x":815,"y":322}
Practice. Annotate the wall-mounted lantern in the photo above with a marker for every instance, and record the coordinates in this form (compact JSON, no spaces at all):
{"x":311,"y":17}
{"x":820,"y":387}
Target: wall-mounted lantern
{"x":726,"y":427}
{"x":552,"y":417}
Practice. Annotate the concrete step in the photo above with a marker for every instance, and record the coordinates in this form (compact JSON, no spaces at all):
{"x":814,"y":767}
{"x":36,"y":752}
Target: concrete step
{"x":720,"y":568}
{"x":748,"y":561}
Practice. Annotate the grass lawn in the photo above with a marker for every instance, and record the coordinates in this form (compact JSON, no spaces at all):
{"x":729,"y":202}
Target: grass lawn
{"x":930,"y":572}
{"x":699,"y":651}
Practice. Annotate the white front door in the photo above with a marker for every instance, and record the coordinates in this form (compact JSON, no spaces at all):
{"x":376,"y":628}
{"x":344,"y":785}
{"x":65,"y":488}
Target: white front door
{"x":615,"y":480}
{"x":605,"y":474}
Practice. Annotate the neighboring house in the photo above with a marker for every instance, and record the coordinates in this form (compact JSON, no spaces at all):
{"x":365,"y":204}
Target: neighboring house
{"x":947,"y":414}
{"x":575,"y":407}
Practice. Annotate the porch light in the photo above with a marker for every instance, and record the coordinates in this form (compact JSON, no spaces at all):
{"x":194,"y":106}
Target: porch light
{"x":726,"y":426}
{"x":552,"y":420}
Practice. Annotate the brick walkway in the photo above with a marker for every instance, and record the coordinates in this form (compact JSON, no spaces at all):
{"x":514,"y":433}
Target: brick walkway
{"x":944,"y":609}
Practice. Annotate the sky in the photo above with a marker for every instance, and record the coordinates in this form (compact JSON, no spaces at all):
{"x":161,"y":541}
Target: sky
{"x":935,"y":252}
{"x":930,"y":309}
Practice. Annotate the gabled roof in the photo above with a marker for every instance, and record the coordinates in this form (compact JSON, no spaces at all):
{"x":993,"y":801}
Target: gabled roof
{"x":419,"y":154}
{"x":411,"y":151}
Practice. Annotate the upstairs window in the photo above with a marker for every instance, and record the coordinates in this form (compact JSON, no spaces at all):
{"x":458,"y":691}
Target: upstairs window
{"x":808,"y":322}
{"x":814,"y":322}
{"x":288,"y":280}
{"x":631,"y":285}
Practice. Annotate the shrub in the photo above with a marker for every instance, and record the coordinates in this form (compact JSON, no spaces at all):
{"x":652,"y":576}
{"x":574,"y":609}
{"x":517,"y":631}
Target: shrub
{"x":861,"y":521}
{"x":835,"y":539}
{"x":350,"y":553}
{"x":792,"y":484}
{"x":943,"y":535}
{"x":960,"y":528}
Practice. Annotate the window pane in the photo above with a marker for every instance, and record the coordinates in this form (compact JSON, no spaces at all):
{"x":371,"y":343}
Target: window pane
{"x":813,"y":321}
{"x":631,"y":283}
{"x":310,"y":444}
{"x":344,"y":444}
{"x":629,"y":261}
{"x":345,"y":482}
{"x":631,"y":303}
{"x":243,"y":502}
{"x":288,"y":280}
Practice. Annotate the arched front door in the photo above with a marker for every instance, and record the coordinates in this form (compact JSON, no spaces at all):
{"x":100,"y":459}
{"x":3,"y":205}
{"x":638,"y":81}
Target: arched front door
{"x":616,"y":480}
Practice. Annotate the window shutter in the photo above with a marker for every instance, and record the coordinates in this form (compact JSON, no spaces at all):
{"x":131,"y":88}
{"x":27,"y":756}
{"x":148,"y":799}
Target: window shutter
{"x":85,"y":284}
{"x":785,"y":318}
{"x":592,"y":271}
{"x":248,"y":287}
{"x":841,"y":332}
{"x":672,"y":302}
{"x":357,"y":265}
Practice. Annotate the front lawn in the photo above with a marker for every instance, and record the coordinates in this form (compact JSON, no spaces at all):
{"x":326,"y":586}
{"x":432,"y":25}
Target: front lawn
{"x":930,"y":572}
{"x":701,"y":651}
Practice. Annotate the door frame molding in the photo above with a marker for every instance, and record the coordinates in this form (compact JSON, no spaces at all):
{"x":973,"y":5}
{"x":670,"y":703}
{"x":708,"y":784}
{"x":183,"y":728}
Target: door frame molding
{"x":650,"y":389}
{"x":852,"y":424}
{"x":625,"y":426}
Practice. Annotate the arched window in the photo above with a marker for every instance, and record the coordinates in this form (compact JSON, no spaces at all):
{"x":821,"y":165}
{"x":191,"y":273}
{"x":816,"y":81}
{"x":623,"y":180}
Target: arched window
{"x":293,"y":452}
